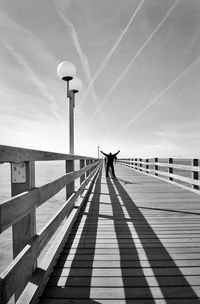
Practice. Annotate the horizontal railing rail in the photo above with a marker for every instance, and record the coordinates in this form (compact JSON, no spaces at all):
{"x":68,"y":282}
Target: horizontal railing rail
{"x":15,"y":154}
{"x":172,"y":169}
{"x":20,"y":213}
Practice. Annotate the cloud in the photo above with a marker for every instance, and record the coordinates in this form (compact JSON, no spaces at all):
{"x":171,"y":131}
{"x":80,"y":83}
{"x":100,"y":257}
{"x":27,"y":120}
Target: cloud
{"x":134,"y":59}
{"x":152,"y":102}
{"x":113,"y":49}
{"x":84,"y":60}
{"x":24,"y":38}
{"x":23,"y":44}
{"x":32,"y":75}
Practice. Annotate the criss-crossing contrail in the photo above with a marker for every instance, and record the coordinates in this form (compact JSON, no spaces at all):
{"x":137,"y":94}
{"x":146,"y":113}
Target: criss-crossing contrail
{"x":83,"y":58}
{"x":133,"y":60}
{"x":115,"y":46}
{"x":33,"y":77}
{"x":192,"y":65}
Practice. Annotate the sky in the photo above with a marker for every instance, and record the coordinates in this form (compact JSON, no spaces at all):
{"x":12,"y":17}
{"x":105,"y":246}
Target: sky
{"x":139,"y":63}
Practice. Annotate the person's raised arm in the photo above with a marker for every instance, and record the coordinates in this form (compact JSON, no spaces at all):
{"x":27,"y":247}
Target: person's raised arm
{"x":104,"y":153}
{"x":116,"y":153}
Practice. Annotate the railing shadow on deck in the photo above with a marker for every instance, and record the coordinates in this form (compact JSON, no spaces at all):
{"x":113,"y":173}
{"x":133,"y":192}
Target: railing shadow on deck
{"x":169,"y":278}
{"x":171,"y":284}
{"x":78,"y":279}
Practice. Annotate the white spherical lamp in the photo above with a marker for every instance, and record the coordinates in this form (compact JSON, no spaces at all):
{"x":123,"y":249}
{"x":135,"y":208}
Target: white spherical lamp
{"x":66,"y":71}
{"x":75,"y":85}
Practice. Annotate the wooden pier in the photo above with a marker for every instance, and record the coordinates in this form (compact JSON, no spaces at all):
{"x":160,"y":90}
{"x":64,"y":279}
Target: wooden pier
{"x":134,"y":239}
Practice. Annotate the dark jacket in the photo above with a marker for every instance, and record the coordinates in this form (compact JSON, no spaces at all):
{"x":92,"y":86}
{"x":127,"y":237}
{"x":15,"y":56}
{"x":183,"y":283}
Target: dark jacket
{"x":110,"y":157}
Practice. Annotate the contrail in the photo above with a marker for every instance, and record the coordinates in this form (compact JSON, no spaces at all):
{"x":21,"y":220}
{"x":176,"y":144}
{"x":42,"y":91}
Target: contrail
{"x":82,"y":55}
{"x":194,"y":63}
{"x":34,"y":78}
{"x":107,"y":58}
{"x":134,"y":59}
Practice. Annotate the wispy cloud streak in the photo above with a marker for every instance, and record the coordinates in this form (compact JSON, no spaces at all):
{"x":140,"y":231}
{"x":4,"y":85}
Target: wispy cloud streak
{"x":84,"y":60}
{"x":32,"y":75}
{"x":151,"y":103}
{"x":133,"y":60}
{"x":115,"y":46}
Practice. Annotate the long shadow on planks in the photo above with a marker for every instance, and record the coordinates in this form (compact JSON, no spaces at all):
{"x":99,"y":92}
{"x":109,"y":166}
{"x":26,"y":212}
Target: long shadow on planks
{"x":171,"y":281}
{"x":70,"y":281}
{"x":169,"y":210}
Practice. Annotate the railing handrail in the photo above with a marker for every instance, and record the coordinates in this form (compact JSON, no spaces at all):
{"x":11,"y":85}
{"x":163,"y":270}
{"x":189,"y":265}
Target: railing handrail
{"x":12,"y":210}
{"x":20,"y":211}
{"x":165,"y":164}
{"x":16,"y":154}
{"x":145,"y":165}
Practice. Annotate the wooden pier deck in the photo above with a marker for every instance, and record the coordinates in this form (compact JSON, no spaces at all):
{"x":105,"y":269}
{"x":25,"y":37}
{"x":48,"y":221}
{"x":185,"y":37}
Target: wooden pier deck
{"x":136,"y":241}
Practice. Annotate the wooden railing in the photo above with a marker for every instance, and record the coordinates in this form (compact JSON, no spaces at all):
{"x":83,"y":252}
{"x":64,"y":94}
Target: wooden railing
{"x":24,"y":277}
{"x":180,"y":171}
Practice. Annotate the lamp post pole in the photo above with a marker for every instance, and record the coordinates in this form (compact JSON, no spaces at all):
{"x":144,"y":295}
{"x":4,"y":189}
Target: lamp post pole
{"x":98,"y":151}
{"x":71,"y":122}
{"x":67,"y":72}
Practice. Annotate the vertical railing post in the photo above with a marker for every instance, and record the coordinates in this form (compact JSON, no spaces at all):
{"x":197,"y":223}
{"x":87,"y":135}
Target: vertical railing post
{"x":147,"y":165}
{"x":23,"y":179}
{"x":87,"y":163}
{"x":82,"y":165}
{"x":140,"y":164}
{"x":91,"y":162}
{"x":70,"y":187}
{"x":170,"y":169}
{"x":156,"y":166}
{"x":195,"y":174}
{"x":131,"y":164}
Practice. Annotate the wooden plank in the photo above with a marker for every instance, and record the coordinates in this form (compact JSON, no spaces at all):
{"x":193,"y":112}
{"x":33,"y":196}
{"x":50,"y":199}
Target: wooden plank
{"x":49,"y":190}
{"x":166,"y":165}
{"x":21,"y":205}
{"x":188,"y":180}
{"x":117,"y":293}
{"x":116,"y":301}
{"x":70,"y":168}
{"x":82,"y":165}
{"x":16,"y":208}
{"x":14,"y":154}
{"x":117,"y":281}
{"x":24,"y":229}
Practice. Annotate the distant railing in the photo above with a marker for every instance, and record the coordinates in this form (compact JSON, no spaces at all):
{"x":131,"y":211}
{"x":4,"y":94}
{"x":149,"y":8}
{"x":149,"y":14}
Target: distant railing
{"x":181,"y":171}
{"x":20,"y":213}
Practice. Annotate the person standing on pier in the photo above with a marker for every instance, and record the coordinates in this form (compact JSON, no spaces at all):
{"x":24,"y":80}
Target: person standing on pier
{"x":110,"y":158}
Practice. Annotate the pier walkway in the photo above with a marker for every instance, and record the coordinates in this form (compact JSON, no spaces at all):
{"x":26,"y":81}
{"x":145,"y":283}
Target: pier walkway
{"x":137,"y":240}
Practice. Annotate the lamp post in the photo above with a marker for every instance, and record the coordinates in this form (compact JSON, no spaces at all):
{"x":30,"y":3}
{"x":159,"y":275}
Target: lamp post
{"x":74,"y":87}
{"x":98,"y":151}
{"x":67,"y":72}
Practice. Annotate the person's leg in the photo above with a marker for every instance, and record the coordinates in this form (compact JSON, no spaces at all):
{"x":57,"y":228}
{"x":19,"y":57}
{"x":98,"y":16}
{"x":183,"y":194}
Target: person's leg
{"x":113,"y":170}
